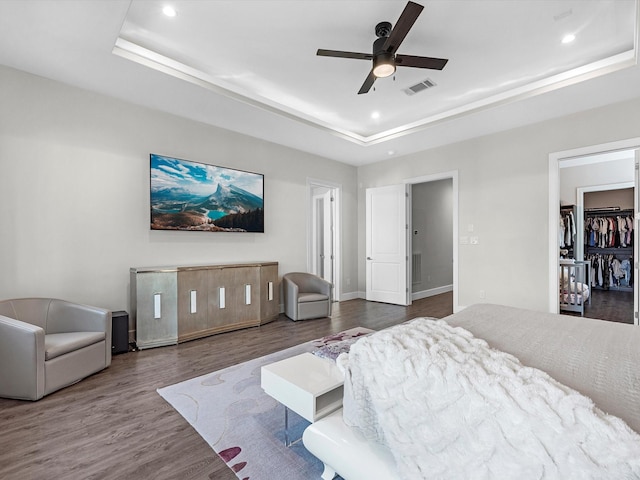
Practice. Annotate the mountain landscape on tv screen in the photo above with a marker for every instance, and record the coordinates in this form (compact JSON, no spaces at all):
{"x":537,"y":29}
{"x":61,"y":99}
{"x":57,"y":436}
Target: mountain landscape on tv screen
{"x":180,"y":200}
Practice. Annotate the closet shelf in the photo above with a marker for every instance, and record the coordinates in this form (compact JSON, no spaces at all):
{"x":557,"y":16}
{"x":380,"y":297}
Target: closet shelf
{"x":609,"y":250}
{"x":607,"y":212}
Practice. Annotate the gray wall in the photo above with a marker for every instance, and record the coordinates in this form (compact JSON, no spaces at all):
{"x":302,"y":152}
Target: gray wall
{"x":74,"y":194}
{"x":503,"y":191}
{"x":622,"y":198}
{"x":432,"y":225}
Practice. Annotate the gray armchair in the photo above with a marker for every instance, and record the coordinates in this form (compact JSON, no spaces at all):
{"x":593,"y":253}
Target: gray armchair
{"x":47,"y":344}
{"x":306,"y":296}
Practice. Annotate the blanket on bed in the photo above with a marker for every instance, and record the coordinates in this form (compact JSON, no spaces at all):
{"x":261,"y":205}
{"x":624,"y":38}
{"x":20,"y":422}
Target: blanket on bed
{"x":450,"y":407}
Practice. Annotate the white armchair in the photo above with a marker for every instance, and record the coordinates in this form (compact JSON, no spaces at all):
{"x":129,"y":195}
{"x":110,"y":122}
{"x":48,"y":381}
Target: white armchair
{"x":306,"y":296}
{"x":47,"y":344}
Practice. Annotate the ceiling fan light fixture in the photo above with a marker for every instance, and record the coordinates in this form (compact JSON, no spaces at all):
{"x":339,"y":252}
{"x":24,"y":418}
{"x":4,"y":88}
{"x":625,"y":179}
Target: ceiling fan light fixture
{"x":383,"y":65}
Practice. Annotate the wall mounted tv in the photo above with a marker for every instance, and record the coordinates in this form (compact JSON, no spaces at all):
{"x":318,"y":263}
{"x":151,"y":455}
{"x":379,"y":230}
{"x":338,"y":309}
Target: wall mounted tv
{"x":196,"y":196}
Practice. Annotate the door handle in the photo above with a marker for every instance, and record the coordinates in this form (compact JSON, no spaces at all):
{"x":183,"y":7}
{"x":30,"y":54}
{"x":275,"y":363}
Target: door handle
{"x":369,"y":258}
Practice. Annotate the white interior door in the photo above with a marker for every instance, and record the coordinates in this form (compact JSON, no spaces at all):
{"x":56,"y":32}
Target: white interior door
{"x":323,"y":234}
{"x":328,"y":237}
{"x":323,"y":244}
{"x":387,"y":244}
{"x":318,"y":236}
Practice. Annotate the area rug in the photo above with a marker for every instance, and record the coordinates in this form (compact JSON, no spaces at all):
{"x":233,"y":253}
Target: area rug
{"x":244,"y":425}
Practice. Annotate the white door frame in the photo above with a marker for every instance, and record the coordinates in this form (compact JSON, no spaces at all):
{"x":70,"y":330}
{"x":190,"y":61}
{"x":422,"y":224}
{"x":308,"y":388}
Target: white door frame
{"x":554,"y":206}
{"x":337,"y":231}
{"x":453,"y":175}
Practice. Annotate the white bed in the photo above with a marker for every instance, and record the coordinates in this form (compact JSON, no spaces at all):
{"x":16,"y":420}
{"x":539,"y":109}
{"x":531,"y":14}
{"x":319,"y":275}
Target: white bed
{"x":598,"y":359}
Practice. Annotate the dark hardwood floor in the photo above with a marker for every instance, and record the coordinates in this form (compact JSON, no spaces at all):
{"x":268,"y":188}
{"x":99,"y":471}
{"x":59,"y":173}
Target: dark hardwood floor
{"x":612,"y":305}
{"x":114,"y":425}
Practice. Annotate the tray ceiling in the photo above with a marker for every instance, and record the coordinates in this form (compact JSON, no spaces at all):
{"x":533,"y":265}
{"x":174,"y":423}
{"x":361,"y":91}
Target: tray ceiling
{"x":251,"y":66}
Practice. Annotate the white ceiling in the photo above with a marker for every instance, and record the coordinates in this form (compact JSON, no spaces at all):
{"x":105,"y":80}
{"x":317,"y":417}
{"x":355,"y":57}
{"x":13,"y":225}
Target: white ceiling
{"x":250,"y":66}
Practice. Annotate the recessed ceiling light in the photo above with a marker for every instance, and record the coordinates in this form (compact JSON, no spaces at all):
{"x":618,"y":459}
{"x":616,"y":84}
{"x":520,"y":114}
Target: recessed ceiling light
{"x":391,"y":152}
{"x":568,"y":38}
{"x":169,"y":11}
{"x":375,"y":115}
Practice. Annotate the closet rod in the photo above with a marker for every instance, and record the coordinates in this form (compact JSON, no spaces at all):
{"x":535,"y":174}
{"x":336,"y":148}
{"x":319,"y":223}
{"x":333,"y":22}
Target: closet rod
{"x":600,"y":211}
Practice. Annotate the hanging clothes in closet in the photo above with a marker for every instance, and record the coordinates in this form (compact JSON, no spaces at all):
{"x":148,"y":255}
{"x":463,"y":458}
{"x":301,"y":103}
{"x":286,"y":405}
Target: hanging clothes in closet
{"x":567,"y":230}
{"x":608,"y":241}
{"x":608,"y":231}
{"x":609,"y":271}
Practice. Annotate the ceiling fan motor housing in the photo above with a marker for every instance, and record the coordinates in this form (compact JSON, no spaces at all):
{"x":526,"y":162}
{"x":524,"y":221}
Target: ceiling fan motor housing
{"x":384,"y":63}
{"x":378,"y":44}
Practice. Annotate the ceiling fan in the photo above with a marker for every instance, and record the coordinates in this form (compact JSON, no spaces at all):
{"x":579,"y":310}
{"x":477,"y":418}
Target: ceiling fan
{"x":385,"y":59}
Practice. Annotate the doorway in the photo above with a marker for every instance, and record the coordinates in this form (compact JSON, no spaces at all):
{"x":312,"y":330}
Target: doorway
{"x":604,"y":217}
{"x":599,"y":184}
{"x":323,"y":245}
{"x":431,"y":252}
{"x":422,"y":260}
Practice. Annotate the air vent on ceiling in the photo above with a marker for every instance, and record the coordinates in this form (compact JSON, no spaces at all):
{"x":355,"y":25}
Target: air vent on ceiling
{"x":419,"y":87}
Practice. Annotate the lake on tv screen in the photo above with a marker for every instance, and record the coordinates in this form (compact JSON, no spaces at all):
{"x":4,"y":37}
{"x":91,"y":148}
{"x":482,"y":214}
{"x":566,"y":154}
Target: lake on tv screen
{"x":215,"y":214}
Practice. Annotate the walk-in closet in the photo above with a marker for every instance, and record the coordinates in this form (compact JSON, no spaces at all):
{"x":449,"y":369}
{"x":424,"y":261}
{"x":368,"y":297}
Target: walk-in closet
{"x":608,"y":237}
{"x":596,"y":240}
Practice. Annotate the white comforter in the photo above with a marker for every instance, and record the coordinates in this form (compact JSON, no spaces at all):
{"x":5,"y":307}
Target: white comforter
{"x":450,"y":407}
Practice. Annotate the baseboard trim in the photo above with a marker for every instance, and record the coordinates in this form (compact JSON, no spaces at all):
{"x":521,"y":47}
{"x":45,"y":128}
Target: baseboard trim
{"x":351,"y":296}
{"x":431,"y":292}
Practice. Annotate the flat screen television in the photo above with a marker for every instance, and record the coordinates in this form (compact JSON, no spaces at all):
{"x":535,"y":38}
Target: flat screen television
{"x":196,"y":196}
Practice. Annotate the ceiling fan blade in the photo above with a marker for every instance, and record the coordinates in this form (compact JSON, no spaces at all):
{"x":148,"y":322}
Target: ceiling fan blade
{"x":420,"y":62}
{"x":368,"y":83}
{"x":341,"y":54}
{"x":407,"y":18}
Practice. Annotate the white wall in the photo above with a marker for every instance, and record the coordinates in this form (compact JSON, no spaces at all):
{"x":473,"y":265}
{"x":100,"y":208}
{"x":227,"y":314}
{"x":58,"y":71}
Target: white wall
{"x":74,"y":206}
{"x":431,"y":218}
{"x":503,"y":191}
{"x":74,"y":194}
{"x":603,"y":173}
